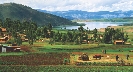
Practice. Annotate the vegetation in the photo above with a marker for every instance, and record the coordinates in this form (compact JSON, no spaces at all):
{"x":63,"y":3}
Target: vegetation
{"x":80,"y":36}
{"x":47,"y":46}
{"x":25,"y":13}
{"x":127,"y":24}
{"x":128,"y":19}
{"x":34,"y":59}
{"x":66,"y":68}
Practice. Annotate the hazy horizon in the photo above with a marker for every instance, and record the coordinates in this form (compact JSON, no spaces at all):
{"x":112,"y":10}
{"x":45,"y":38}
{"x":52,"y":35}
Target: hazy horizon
{"x":83,"y":5}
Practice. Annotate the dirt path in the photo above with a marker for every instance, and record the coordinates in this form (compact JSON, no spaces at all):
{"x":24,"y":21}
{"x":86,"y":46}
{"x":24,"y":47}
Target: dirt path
{"x":106,"y":58}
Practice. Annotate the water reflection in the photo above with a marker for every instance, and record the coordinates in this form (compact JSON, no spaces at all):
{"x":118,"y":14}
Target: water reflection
{"x":93,"y":25}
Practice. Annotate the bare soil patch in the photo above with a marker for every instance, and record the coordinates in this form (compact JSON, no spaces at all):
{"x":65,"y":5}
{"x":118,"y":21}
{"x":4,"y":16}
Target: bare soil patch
{"x":107,"y":58}
{"x":125,"y":28}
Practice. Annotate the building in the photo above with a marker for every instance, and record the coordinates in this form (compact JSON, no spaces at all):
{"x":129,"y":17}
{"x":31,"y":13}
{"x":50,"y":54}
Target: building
{"x":2,"y":49}
{"x":4,"y":39}
{"x":119,"y":42}
{"x":23,"y":37}
{"x":9,"y":48}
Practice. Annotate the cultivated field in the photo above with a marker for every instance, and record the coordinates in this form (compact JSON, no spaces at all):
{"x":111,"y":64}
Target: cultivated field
{"x":51,"y":58}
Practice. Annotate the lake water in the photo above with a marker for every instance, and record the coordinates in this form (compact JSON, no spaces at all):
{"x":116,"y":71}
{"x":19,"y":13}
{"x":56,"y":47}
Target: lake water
{"x":93,"y":25}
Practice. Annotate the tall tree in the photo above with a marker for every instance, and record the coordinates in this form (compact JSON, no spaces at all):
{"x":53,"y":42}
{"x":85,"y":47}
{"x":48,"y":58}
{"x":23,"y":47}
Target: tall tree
{"x":49,"y":27}
{"x":45,"y":31}
{"x":1,"y":23}
{"x":70,"y":36}
{"x":95,"y":33}
{"x":81,"y":28}
{"x":64,"y":38}
{"x":31,"y":32}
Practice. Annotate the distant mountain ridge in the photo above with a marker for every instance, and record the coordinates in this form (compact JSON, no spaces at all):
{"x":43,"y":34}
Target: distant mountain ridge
{"x":78,"y":14}
{"x":20,"y":12}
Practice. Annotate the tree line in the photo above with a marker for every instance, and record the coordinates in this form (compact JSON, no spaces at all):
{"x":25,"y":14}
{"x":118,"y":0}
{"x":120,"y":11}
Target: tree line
{"x":34,"y":32}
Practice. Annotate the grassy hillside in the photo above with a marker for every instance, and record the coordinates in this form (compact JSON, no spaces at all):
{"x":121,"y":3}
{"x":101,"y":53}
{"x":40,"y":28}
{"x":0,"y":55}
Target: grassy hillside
{"x":21,"y":12}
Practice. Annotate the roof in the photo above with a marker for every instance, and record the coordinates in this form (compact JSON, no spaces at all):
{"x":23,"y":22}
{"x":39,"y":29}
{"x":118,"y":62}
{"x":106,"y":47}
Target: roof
{"x":3,"y":29}
{"x":2,"y":41}
{"x":12,"y":46}
{"x":2,"y":38}
{"x":119,"y":41}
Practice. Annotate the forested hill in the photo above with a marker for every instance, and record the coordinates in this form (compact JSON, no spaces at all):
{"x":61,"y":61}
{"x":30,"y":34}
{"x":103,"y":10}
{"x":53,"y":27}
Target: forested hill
{"x":20,"y":12}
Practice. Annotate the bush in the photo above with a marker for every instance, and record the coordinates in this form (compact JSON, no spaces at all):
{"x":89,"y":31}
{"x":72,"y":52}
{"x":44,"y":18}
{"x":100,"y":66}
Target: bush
{"x":11,"y":41}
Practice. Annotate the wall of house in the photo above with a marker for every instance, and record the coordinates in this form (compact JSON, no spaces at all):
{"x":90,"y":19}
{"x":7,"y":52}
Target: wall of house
{"x":119,"y":43}
{"x":0,"y":48}
{"x":3,"y":49}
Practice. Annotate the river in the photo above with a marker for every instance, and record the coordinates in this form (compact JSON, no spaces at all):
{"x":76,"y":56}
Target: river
{"x":93,"y":25}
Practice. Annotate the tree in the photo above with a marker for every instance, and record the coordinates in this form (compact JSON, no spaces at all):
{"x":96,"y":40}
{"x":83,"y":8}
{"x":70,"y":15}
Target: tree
{"x":31,"y":32}
{"x":45,"y":31}
{"x":118,"y":35}
{"x":38,"y":32}
{"x":51,"y":34}
{"x":49,"y":27}
{"x":18,"y":40}
{"x":85,"y":36}
{"x":95,"y":33}
{"x":77,"y":41}
{"x":57,"y":36}
{"x":70,"y":36}
{"x":81,"y":29}
{"x":64,"y":38}
{"x":1,"y":23}
{"x":126,"y":37}
{"x":108,"y":35}
{"x":0,"y":31}
{"x":75,"y":36}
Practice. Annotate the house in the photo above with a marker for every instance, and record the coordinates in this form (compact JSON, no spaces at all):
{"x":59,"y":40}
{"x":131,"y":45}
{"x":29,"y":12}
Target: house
{"x":23,"y":37}
{"x":12,"y":48}
{"x":9,"y":48}
{"x":4,"y":39}
{"x":84,"y":41}
{"x":119,"y":42}
{"x":2,"y":49}
{"x":127,"y":43}
{"x":3,"y":29}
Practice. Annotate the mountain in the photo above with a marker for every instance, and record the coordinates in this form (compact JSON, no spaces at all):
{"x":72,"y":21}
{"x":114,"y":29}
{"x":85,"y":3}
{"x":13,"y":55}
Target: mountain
{"x":78,"y":14}
{"x":21,"y":12}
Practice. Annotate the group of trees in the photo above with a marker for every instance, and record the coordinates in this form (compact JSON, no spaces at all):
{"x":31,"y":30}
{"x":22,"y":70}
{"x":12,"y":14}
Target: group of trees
{"x":70,"y":36}
{"x":78,"y":36}
{"x":33,"y":32}
{"x":22,"y":12}
{"x":110,"y":35}
{"x":14,"y":28}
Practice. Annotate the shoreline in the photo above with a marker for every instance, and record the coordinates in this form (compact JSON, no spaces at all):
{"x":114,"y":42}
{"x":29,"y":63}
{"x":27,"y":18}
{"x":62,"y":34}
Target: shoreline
{"x":125,"y":28}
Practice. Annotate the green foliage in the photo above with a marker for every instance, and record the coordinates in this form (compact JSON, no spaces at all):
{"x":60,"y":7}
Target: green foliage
{"x":60,"y":68}
{"x":24,"y":13}
{"x":18,"y":40}
{"x":11,"y":41}
{"x":110,"y":35}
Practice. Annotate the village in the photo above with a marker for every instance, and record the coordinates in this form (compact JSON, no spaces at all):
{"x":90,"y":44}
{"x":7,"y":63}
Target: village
{"x":11,"y":47}
{"x":76,"y":58}
{"x":66,"y":36}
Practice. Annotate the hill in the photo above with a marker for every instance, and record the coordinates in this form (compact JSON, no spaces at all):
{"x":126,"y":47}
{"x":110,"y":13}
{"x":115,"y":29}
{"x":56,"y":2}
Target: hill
{"x":21,"y":12}
{"x":78,"y":14}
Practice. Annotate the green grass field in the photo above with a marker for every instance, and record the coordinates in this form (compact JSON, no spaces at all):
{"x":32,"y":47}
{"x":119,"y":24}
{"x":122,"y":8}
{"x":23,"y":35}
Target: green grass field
{"x":91,"y":49}
{"x":65,"y":69}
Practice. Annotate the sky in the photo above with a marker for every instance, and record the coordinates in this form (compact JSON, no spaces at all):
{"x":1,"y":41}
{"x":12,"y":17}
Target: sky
{"x":84,"y":5}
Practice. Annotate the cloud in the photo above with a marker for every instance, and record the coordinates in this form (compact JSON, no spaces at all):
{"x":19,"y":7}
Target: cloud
{"x":85,"y":5}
